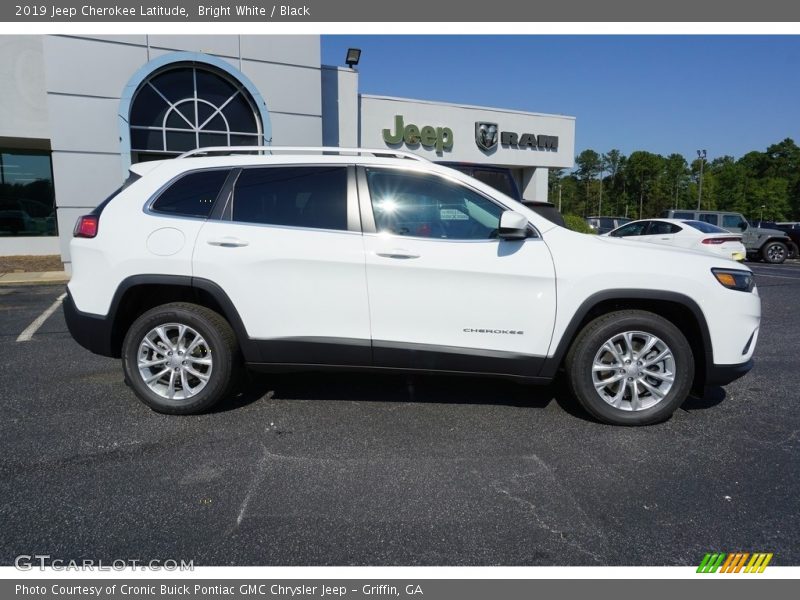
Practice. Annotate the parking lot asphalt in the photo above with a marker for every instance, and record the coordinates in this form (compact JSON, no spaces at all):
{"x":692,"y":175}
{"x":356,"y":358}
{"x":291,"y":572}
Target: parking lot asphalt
{"x":354,"y":469}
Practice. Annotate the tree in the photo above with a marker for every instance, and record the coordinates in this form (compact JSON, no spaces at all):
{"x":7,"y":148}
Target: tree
{"x":770,"y":179}
{"x":587,"y":166}
{"x":642,"y":171}
{"x":677,"y":174}
{"x":613,"y":161}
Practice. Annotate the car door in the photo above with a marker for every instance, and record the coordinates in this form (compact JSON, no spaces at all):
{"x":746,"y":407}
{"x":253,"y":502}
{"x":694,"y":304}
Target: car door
{"x":659,"y":232}
{"x":287,"y":250}
{"x":444,"y":292}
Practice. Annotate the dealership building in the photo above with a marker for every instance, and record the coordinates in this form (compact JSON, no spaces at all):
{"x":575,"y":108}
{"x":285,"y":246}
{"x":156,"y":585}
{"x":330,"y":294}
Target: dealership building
{"x":77,"y":111}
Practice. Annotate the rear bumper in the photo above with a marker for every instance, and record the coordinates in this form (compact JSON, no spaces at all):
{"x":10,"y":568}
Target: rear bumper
{"x":724,"y":374}
{"x":93,"y":332}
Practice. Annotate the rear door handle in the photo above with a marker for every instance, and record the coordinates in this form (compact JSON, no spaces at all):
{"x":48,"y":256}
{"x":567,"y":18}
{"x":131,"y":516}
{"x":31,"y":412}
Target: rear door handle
{"x":398,"y":253}
{"x":228,"y":242}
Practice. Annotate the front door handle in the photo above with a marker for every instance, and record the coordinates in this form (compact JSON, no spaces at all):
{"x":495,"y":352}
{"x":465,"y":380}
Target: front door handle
{"x":228,"y":242}
{"x":398,"y":253}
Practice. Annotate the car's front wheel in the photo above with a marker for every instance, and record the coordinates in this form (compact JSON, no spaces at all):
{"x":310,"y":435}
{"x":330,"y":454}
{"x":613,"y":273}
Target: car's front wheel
{"x":630,"y":367}
{"x":775,"y":253}
{"x":180,"y":358}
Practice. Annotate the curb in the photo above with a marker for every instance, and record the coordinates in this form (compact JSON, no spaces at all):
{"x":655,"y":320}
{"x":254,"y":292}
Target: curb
{"x":34,"y":278}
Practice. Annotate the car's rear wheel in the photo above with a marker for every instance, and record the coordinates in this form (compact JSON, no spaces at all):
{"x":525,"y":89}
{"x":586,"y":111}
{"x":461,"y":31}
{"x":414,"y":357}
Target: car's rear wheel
{"x":775,"y":253}
{"x":180,"y":358}
{"x":630,"y":367}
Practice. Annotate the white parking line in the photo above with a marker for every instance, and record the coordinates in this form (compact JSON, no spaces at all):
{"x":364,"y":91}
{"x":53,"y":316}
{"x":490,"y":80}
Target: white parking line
{"x":26,"y":335}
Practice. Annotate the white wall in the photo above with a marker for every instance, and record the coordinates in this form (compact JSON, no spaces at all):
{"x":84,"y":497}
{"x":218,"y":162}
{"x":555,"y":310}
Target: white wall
{"x":340,"y":107}
{"x":23,"y":110}
{"x":22,"y":246}
{"x":534,"y":184}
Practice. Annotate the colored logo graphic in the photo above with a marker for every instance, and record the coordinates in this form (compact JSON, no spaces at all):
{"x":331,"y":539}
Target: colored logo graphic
{"x":736,"y":562}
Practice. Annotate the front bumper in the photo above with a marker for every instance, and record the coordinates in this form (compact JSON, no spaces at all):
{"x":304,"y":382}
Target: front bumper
{"x":93,"y":332}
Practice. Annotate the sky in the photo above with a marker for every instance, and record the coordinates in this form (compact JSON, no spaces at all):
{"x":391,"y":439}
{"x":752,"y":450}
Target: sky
{"x":664,"y":94}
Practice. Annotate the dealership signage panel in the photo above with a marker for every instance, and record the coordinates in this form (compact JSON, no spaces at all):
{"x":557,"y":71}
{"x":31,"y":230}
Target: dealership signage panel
{"x":458,"y":133}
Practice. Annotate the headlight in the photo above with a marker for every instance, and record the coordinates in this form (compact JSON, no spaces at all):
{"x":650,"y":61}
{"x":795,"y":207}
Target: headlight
{"x":734,"y":279}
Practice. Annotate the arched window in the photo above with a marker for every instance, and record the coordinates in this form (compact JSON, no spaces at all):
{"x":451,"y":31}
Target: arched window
{"x":185,"y":106}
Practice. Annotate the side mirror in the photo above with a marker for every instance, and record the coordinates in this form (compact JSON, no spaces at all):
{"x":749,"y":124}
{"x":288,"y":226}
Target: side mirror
{"x":513,"y":226}
{"x":744,"y":225}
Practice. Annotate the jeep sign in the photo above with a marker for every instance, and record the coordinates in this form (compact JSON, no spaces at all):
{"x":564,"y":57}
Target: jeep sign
{"x":440,"y":138}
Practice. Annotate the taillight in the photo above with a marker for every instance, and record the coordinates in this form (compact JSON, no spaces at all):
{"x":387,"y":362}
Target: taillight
{"x":722,"y":240}
{"x":86,"y":227}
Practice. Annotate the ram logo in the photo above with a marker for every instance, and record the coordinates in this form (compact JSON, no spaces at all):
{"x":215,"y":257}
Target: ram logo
{"x":486,"y":135}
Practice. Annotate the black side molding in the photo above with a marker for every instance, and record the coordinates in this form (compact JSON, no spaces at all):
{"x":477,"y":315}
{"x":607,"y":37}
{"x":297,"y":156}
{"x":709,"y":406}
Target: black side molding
{"x":93,"y":332}
{"x":431,"y":357}
{"x":724,"y":374}
{"x":551,"y":365}
{"x":98,"y":334}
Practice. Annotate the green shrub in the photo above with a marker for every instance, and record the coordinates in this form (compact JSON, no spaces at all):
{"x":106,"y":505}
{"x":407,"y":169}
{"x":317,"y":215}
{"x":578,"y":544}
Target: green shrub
{"x":576,"y":223}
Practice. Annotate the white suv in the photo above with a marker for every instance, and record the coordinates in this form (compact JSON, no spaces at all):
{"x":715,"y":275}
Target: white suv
{"x":328,"y":258}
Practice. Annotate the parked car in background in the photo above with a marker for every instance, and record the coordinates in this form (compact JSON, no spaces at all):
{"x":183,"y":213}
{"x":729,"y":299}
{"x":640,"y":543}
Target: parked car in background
{"x":691,"y":235}
{"x":603,"y":225}
{"x":770,"y":245}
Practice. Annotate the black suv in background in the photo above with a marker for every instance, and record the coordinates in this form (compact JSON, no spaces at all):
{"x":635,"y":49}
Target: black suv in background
{"x":502,"y":180}
{"x":603,"y":225}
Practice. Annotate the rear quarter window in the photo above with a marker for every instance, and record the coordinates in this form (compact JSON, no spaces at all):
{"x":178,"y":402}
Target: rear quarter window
{"x":705,"y":227}
{"x":192,"y":195}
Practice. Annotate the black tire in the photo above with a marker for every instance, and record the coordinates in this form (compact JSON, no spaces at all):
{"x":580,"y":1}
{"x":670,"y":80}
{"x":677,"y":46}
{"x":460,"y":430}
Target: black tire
{"x":220,"y":340}
{"x":774,"y":253}
{"x":589,"y":342}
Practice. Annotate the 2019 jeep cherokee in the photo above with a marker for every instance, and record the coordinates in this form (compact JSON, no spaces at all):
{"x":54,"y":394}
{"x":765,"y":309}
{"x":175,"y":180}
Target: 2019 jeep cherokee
{"x":309,"y":259}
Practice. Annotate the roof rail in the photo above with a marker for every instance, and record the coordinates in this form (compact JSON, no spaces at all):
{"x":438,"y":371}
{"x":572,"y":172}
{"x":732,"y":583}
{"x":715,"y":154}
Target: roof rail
{"x":322,"y":149}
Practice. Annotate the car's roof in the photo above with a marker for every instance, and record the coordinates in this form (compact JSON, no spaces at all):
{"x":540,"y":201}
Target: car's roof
{"x":173,"y":167}
{"x":663,"y":219}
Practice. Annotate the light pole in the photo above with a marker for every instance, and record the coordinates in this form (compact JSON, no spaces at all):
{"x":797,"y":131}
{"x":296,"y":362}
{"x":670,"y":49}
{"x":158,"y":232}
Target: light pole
{"x":600,"y":203}
{"x":762,"y":212}
{"x":701,"y":154}
{"x":559,"y":196}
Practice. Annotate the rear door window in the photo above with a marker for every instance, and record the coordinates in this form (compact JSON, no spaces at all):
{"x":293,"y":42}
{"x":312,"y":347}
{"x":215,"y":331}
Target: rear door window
{"x":662,"y":228}
{"x":312,"y":197}
{"x":635,"y":228}
{"x":709,"y":218}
